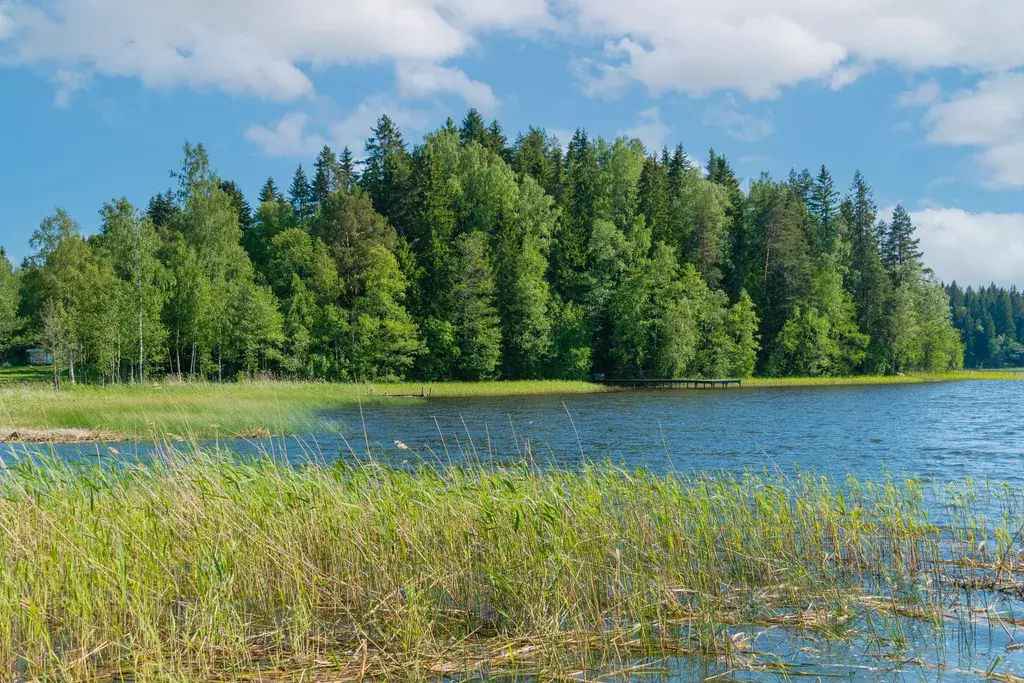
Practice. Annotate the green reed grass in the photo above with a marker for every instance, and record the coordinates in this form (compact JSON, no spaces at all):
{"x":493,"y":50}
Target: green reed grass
{"x":911,"y":378}
{"x":204,"y":567}
{"x":196,"y":410}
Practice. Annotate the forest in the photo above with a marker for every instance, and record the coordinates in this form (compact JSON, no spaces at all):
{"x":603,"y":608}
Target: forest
{"x":470,"y":257}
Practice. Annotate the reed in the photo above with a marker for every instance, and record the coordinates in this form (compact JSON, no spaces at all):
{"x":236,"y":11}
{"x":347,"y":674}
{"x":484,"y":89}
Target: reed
{"x":200,"y":566}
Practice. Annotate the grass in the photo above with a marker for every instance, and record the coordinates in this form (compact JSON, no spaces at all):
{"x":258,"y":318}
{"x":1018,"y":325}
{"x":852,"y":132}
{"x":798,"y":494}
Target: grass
{"x":29,"y":374}
{"x":205,"y":410}
{"x":910,"y":378}
{"x":203,"y":568}
{"x":202,"y":410}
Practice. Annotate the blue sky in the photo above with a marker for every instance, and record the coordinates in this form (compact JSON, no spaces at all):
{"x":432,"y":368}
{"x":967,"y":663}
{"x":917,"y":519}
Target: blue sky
{"x":926,"y":97}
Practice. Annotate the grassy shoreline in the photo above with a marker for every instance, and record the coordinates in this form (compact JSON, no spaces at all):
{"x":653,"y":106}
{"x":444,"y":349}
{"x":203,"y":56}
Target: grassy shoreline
{"x":36,"y":413}
{"x":200,"y":568}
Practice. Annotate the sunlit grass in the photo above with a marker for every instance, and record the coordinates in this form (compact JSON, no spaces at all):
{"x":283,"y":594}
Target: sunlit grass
{"x":910,"y":378}
{"x":196,"y":410}
{"x":201,"y":567}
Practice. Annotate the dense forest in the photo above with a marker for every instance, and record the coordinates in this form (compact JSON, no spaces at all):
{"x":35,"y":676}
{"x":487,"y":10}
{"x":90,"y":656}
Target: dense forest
{"x":467,"y":257}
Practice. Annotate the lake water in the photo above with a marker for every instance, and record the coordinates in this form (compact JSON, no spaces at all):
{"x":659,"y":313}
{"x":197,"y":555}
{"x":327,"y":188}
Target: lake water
{"x":945,"y":430}
{"x":942,"y":430}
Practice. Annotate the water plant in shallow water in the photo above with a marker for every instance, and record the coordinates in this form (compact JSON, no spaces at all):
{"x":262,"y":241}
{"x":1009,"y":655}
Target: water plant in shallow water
{"x":203,"y":566}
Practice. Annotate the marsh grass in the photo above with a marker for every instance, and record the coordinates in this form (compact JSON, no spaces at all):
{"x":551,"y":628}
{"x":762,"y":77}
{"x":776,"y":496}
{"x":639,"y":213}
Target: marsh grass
{"x":198,"y":566}
{"x":200,"y":410}
{"x":911,"y":378}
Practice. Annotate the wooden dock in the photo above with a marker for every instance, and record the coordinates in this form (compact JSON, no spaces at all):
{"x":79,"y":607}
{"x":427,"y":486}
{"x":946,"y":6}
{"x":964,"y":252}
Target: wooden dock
{"x":673,"y":383}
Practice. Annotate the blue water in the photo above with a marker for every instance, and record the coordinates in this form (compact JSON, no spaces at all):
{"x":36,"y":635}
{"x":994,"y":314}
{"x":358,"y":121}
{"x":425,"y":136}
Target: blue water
{"x":942,"y":431}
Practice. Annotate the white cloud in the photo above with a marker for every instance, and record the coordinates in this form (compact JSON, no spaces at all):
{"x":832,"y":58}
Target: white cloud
{"x":68,"y":82}
{"x":972,"y":248}
{"x":257,"y":47}
{"x":423,"y":80}
{"x":727,"y":116}
{"x":649,"y":128}
{"x":990,"y":118}
{"x":287,"y":138}
{"x":758,"y":47}
{"x":924,"y":95}
{"x":294,"y":135}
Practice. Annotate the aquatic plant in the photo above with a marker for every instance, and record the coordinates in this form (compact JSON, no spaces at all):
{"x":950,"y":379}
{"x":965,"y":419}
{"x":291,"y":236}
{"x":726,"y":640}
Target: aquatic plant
{"x":204,"y":566}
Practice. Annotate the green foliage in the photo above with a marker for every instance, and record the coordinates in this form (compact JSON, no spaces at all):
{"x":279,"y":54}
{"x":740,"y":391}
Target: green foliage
{"x":466,"y":258}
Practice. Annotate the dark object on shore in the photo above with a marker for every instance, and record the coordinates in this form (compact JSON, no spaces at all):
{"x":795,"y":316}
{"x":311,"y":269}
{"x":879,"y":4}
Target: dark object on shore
{"x":673,"y":383}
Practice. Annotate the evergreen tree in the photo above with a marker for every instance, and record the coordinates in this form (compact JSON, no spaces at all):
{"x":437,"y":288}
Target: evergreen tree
{"x":231,"y":189}
{"x":476,"y":318}
{"x":300,"y":196}
{"x":269,"y":192}
{"x":473,"y":128}
{"x":823,"y":206}
{"x":348,"y":177}
{"x":899,"y":248}
{"x":578,"y":213}
{"x":327,"y":176}
{"x":386,"y":174}
{"x":162,"y":209}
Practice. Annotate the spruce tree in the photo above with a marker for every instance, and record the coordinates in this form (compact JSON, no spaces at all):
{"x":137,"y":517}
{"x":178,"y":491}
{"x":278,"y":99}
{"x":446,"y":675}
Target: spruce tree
{"x":347,"y":174}
{"x":326,"y":178}
{"x":300,"y":196}
{"x":473,"y":128}
{"x":269,"y":193}
{"x":573,"y":239}
{"x":386,"y":174}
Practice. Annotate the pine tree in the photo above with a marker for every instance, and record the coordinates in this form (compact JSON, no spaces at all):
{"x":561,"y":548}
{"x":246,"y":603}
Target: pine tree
{"x":870,"y":285}
{"x":162,"y":209}
{"x":347,"y":175}
{"x":573,"y":239}
{"x":386,"y":174}
{"x":823,"y":205}
{"x":473,"y":128}
{"x":300,"y":196}
{"x":231,"y":189}
{"x":269,"y":192}
{"x":476,"y":318}
{"x":327,"y":176}
{"x":899,"y":247}
{"x":653,"y":200}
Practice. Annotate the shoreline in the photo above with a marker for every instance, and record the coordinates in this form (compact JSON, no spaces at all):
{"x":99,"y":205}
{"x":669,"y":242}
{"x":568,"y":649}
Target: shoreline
{"x":189,"y":411}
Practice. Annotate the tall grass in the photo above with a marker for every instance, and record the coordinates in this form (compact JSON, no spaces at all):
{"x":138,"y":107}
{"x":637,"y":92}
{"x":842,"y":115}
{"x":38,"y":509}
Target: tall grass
{"x":910,"y":378}
{"x":197,"y":410}
{"x":203,"y":567}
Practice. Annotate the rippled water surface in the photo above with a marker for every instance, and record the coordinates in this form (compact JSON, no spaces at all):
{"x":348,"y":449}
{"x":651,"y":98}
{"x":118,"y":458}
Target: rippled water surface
{"x":945,"y":430}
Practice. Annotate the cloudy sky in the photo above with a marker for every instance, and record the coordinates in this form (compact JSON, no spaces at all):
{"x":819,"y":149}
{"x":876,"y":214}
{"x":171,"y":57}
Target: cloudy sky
{"x":926,"y":97}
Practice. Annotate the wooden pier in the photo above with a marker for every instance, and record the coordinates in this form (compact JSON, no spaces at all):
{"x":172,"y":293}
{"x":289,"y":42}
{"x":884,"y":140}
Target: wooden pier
{"x":673,"y":383}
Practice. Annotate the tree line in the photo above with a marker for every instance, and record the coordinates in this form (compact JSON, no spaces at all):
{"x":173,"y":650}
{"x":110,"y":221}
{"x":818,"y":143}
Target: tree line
{"x":991,"y":324}
{"x":470,"y":257}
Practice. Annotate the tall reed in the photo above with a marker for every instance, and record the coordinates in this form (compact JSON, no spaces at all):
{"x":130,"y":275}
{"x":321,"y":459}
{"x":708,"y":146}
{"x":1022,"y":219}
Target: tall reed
{"x":200,"y":566}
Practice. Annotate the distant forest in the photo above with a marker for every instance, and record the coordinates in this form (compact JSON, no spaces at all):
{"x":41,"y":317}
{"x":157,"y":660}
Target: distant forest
{"x":469,"y":257}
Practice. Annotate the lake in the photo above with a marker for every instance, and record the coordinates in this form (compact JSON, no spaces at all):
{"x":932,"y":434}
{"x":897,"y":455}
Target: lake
{"x":945,"y":430}
{"x":941,"y":430}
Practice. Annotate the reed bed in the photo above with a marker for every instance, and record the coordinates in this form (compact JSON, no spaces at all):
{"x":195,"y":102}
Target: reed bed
{"x":201,"y":410}
{"x":206,"y":567}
